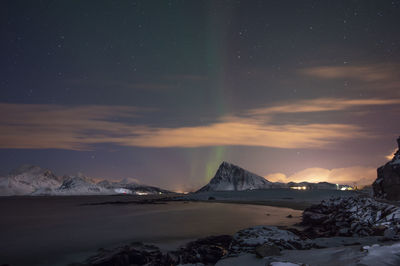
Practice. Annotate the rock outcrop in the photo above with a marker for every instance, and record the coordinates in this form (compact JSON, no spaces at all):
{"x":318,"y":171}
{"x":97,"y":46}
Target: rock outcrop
{"x":262,"y":237}
{"x":352,"y":216}
{"x":387,"y":184}
{"x":204,"y":251}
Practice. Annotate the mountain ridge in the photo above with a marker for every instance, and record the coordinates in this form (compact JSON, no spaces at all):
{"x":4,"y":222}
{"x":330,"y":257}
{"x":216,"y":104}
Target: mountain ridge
{"x":34,"y":180}
{"x":230,"y":177}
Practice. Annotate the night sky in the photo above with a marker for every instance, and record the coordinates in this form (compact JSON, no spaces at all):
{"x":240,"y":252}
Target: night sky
{"x":164,"y":91}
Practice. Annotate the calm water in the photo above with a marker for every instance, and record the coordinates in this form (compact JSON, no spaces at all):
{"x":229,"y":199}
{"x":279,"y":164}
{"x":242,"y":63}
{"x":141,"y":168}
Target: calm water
{"x":54,"y":231}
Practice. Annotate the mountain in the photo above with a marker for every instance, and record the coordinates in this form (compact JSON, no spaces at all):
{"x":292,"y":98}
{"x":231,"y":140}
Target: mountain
{"x":387,"y":184}
{"x":230,"y":177}
{"x":126,"y":187}
{"x":81,"y":185}
{"x":33,"y":180}
{"x":27,"y":179}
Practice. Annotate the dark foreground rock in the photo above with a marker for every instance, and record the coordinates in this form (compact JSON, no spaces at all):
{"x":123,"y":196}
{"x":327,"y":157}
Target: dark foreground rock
{"x":133,"y":254}
{"x":352,"y":216}
{"x":206,"y":251}
{"x":387,"y":184}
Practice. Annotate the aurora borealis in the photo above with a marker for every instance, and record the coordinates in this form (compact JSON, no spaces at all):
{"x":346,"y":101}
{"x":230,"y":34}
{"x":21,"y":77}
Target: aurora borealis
{"x":164,"y":91}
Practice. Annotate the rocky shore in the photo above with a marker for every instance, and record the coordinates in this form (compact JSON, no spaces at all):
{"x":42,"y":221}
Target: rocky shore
{"x":387,"y":184}
{"x":352,"y":217}
{"x":334,"y":223}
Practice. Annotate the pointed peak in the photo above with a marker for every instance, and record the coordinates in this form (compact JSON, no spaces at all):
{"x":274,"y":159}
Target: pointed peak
{"x":225,"y":164}
{"x":28,"y":168}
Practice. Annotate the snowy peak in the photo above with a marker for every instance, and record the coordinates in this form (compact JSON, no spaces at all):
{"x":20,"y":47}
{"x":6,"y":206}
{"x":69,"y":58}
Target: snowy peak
{"x":232,"y":177}
{"x":80,"y":185}
{"x":27,"y":179}
{"x":73,"y":182}
{"x":28,"y":169}
{"x":34,"y":180}
{"x":33,"y":171}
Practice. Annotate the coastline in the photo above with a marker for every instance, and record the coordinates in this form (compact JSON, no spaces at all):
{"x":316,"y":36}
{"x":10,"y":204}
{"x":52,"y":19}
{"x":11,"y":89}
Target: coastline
{"x":315,"y":244}
{"x":59,"y":228}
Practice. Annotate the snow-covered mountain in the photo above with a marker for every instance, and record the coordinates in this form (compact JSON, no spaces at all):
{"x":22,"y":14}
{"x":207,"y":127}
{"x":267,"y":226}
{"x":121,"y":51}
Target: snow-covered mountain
{"x":230,"y":177}
{"x":127,"y":187}
{"x":81,"y":185}
{"x":35,"y":181}
{"x":28,"y":179}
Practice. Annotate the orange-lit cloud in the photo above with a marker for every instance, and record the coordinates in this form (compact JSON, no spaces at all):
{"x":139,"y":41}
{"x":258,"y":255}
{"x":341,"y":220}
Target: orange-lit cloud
{"x":391,"y":155}
{"x":355,"y":175}
{"x":38,"y":126}
{"x":79,"y":127}
{"x":321,"y":105}
{"x":372,"y":76}
{"x":367,"y":73}
{"x":245,"y":133}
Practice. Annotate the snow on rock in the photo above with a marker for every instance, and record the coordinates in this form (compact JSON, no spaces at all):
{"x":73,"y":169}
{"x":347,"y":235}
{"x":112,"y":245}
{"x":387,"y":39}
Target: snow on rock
{"x":230,"y":177}
{"x":250,"y":238}
{"x":126,"y":186}
{"x":353,"y":216}
{"x":382,"y":255}
{"x":122,"y":191}
{"x":387,"y":184}
{"x":80,"y":185}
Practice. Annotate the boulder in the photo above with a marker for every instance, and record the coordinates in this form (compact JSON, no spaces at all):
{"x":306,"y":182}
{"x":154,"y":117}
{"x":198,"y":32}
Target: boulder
{"x":387,"y":184}
{"x":267,"y":250}
{"x":206,"y":250}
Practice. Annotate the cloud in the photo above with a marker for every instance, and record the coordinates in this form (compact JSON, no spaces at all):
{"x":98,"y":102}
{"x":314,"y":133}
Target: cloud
{"x":245,"y":132}
{"x":367,"y":73}
{"x":39,"y":126}
{"x":373,"y":76}
{"x":80,"y":127}
{"x":358,"y":175}
{"x":321,"y":105}
{"x":391,"y":155}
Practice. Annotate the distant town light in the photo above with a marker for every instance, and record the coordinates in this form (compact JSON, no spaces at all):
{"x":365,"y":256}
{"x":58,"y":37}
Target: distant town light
{"x":299,"y":188}
{"x":141,"y":193}
{"x":346,"y":188}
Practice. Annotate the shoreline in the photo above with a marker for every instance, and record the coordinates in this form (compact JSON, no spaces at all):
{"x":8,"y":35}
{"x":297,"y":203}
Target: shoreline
{"x":65,"y":228}
{"x":298,"y":206}
{"x":315,"y":244}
